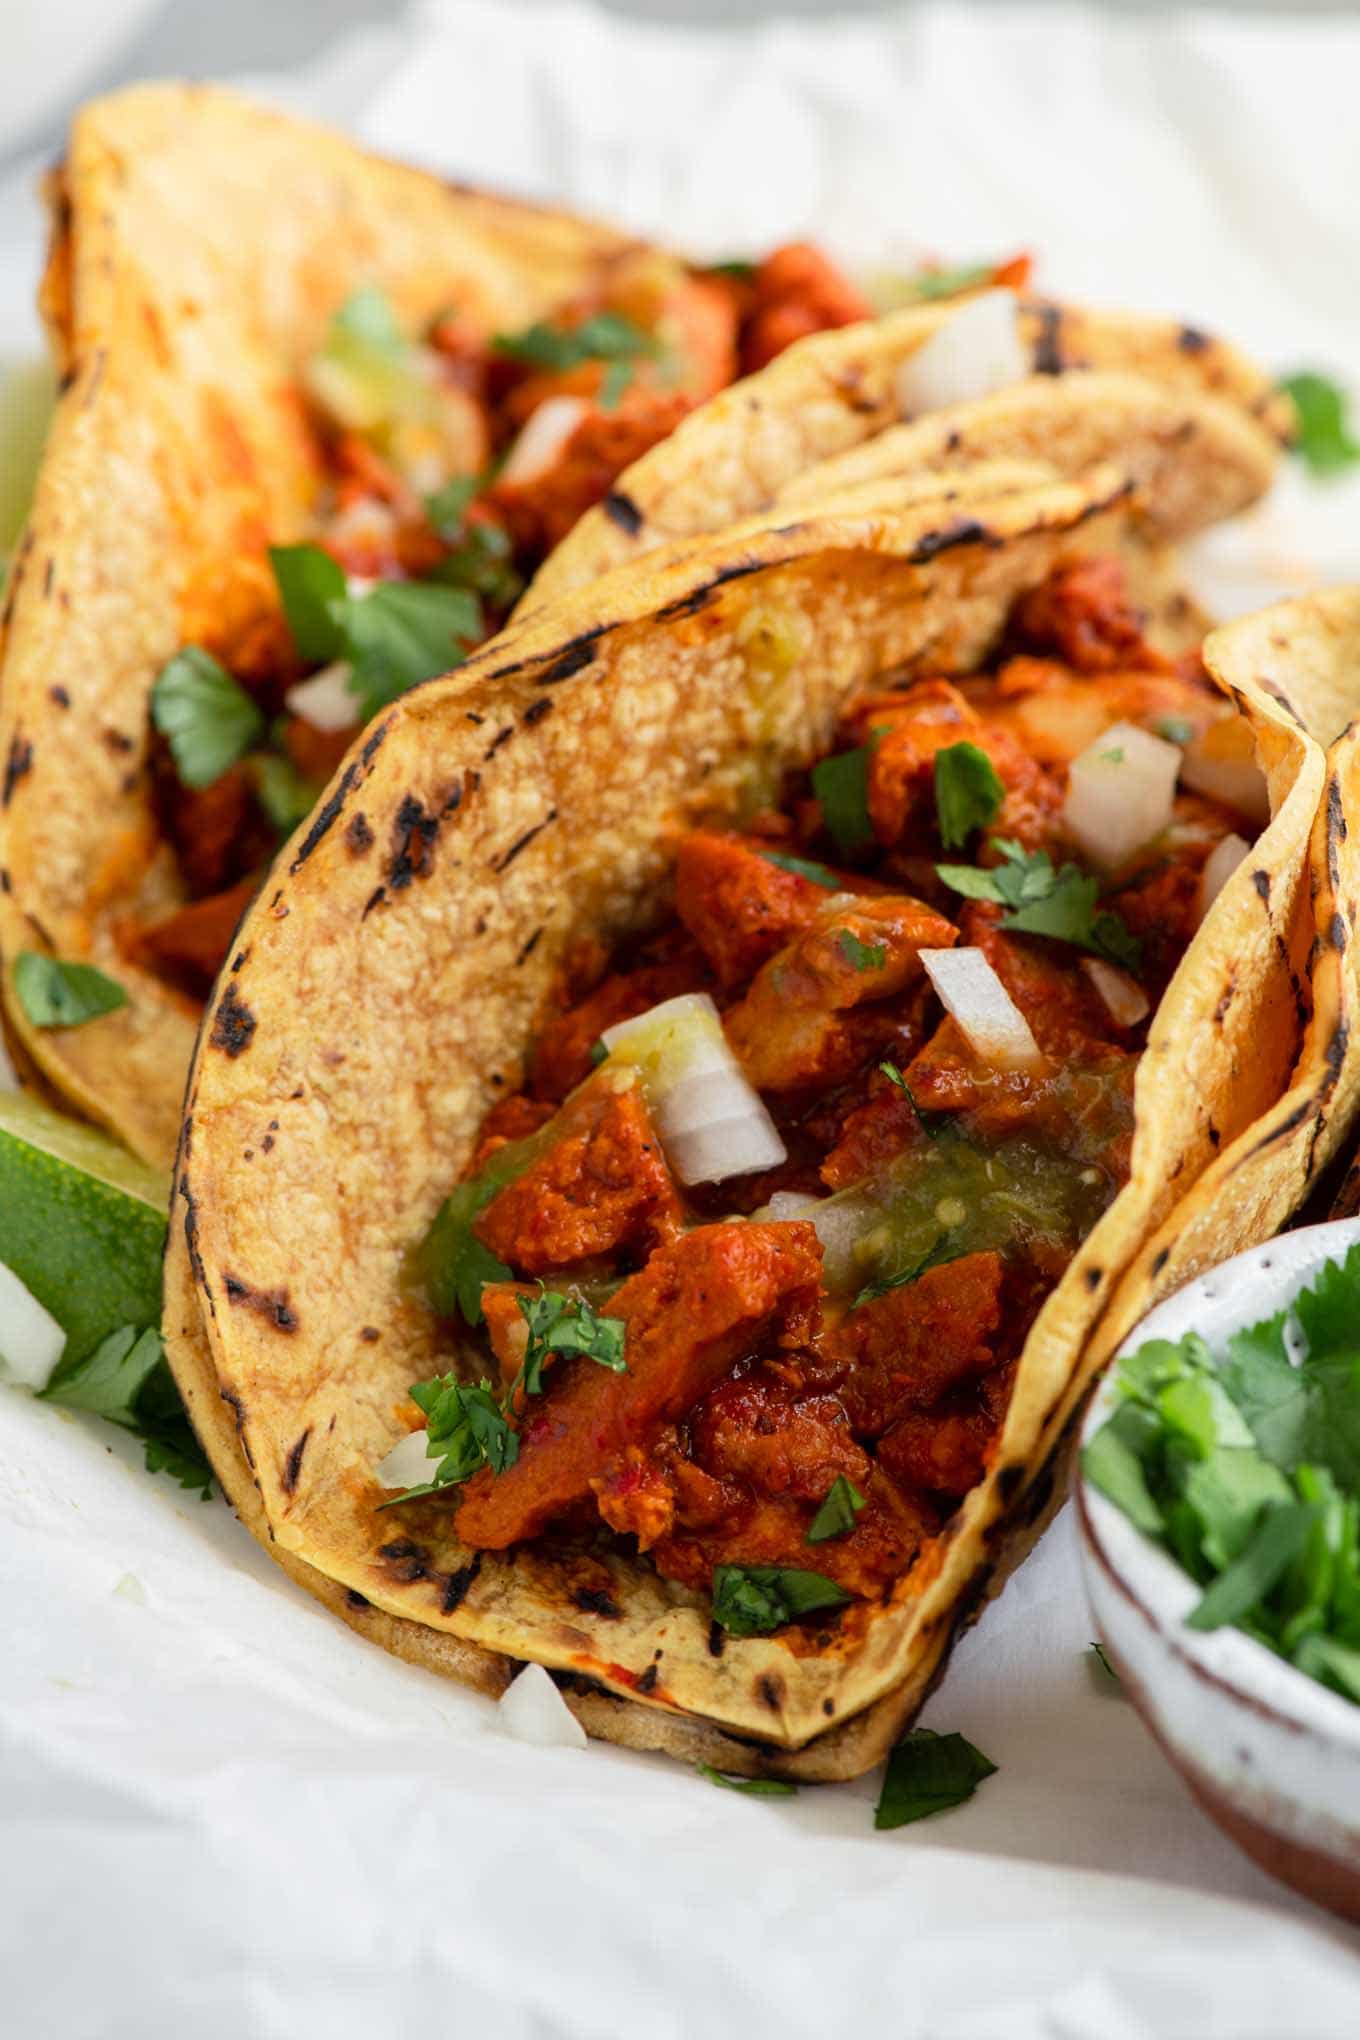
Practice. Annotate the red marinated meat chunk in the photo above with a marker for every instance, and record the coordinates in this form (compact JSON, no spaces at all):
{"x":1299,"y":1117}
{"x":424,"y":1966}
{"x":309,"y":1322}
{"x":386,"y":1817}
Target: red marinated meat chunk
{"x":938,"y":1453}
{"x":797,"y":1024}
{"x":797,"y":291}
{"x":703,"y":1302}
{"x":738,"y":904}
{"x":904,"y":1350}
{"x":1084,"y":615}
{"x":601,"y":1187}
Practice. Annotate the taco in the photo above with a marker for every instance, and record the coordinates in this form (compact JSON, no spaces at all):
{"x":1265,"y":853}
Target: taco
{"x":310,"y":450}
{"x":267,"y":337}
{"x":722,"y":1050}
{"x":939,"y":384}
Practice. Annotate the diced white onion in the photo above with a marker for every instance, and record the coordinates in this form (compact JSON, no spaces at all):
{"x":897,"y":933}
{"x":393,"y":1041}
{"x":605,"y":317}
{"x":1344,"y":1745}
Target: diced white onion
{"x":326,"y":701}
{"x":1221,"y":764}
{"x":711,"y":1120}
{"x":977,"y":351}
{"x":544,"y":434}
{"x":1122,"y":996}
{"x":408,"y":1463}
{"x":788,"y":1204}
{"x":1120,"y":792}
{"x":31,"y":1340}
{"x":972,"y":993}
{"x":533,"y":1711}
{"x":1219,"y":867}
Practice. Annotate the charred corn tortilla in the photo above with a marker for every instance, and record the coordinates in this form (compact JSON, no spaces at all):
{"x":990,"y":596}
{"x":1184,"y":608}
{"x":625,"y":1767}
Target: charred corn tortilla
{"x":829,"y":412}
{"x":185,"y":292}
{"x":386,"y":987}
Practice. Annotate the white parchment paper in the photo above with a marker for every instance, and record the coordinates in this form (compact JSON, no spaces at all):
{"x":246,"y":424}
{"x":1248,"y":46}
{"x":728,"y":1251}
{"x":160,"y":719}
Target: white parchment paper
{"x":220,"y":1814}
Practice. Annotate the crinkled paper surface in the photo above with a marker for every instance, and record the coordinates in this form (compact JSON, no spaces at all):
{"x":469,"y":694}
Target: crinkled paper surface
{"x":223,"y":1815}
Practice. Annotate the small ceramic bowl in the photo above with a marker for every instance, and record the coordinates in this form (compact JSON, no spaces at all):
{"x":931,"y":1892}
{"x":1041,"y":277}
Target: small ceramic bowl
{"x":1271,"y":1756}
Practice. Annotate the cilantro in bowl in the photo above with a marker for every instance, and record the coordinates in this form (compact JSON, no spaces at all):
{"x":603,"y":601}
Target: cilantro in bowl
{"x":1245,"y":1464}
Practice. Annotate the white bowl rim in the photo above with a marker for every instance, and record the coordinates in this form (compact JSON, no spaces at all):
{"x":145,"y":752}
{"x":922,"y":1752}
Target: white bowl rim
{"x":1240,"y":1292}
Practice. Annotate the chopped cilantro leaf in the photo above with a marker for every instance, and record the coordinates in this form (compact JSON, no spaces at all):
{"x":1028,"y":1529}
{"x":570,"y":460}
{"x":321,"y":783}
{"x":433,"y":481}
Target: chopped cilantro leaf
{"x":753,"y":1600}
{"x":447,"y":507}
{"x":206,"y":717}
{"x":282,"y":791}
{"x":57,"y":994}
{"x":467,"y":1430}
{"x":928,"y":1773}
{"x":737,"y":267}
{"x":396,"y":635}
{"x":836,"y":1516}
{"x":403,"y":632}
{"x":841,"y":785}
{"x":929,"y":1122}
{"x":455,"y":1264}
{"x":617,"y":379}
{"x":127,"y":1381}
{"x":560,"y":1324}
{"x":313,"y":591}
{"x":804,"y":867}
{"x":1061,"y":904}
{"x":1104,"y":1671}
{"x":968,"y":792}
{"x":606,"y":336}
{"x":936,"y":1257}
{"x":862,"y":955}
{"x":929,"y":284}
{"x":758,"y":1788}
{"x":1326,"y":445}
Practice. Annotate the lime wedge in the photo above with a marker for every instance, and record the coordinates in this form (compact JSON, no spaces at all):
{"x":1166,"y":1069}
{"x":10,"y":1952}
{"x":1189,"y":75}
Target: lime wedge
{"x":27,"y":390}
{"x":82,"y":1223}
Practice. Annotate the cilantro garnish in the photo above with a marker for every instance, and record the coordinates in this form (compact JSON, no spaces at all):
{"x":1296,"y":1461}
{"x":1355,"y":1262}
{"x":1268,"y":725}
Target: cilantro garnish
{"x":753,"y":1600}
{"x":968,"y":792}
{"x":1325,"y":443}
{"x":206,"y":717}
{"x":469,"y":1427}
{"x":467,"y":1430}
{"x":127,"y":1381}
{"x":841,"y":785}
{"x":1247,"y":1467}
{"x":607,"y":336}
{"x":836,"y":1516}
{"x":862,"y":955}
{"x":804,"y":867}
{"x":560,"y":1324}
{"x":282,"y":791}
{"x":758,"y":1788}
{"x":56,"y":994}
{"x":448,"y":507}
{"x":738,"y":268}
{"x":455,"y":1264}
{"x":1061,"y":904}
{"x":930,"y":284}
{"x":928,"y":1773}
{"x":1102,"y":1671}
{"x":929,"y":1122}
{"x":934,"y":1257}
{"x":398,"y":634}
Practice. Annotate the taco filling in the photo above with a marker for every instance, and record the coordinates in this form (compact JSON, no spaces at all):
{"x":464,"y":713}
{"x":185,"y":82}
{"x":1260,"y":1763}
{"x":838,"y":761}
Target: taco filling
{"x":743,"y":1273}
{"x":455,"y":460}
